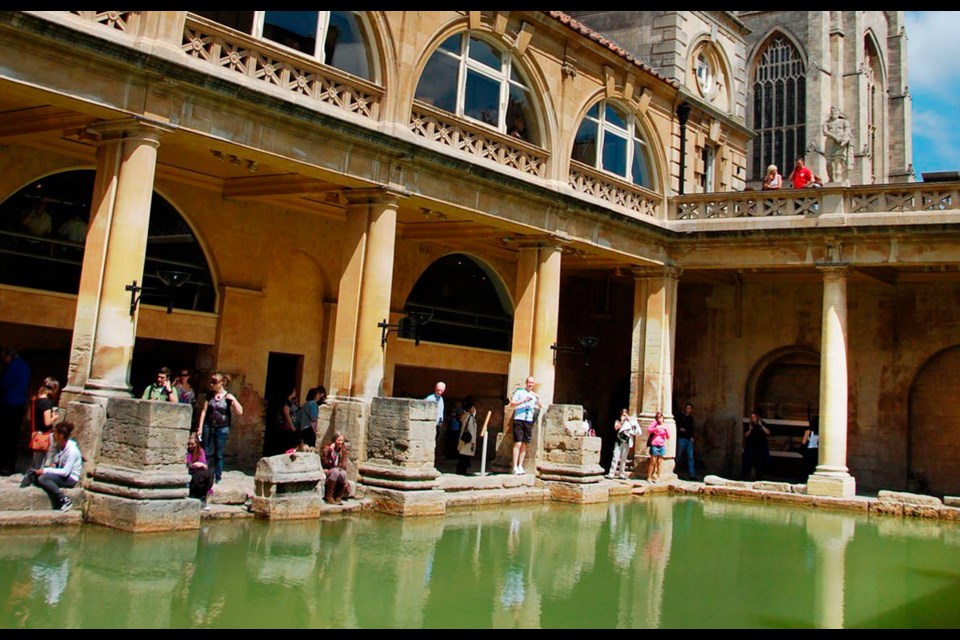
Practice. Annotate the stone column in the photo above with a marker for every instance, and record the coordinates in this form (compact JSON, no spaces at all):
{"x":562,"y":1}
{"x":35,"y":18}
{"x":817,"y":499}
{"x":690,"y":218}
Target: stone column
{"x":356,"y":363}
{"x":535,"y":322}
{"x":832,"y":478}
{"x":651,"y":366}
{"x":104,"y":330}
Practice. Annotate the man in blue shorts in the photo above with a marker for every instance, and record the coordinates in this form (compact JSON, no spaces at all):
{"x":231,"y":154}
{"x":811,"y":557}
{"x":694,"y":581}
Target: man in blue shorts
{"x":523,"y":403}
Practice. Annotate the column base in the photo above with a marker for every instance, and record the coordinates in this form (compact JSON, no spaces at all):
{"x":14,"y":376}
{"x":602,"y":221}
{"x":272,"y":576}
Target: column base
{"x":107,"y":389}
{"x":140,"y":516}
{"x":578,"y":493}
{"x":831,"y":486}
{"x":408,"y":503}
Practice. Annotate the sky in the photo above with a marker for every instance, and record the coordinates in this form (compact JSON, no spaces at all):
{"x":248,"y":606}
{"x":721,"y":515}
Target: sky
{"x":933,"y":77}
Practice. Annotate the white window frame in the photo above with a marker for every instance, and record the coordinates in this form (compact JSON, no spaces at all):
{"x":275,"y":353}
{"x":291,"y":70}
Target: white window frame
{"x":629,"y":133}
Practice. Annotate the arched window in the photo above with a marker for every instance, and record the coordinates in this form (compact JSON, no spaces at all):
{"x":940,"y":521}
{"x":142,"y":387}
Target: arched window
{"x":473,"y":79}
{"x":874,"y":98}
{"x":468,"y":307}
{"x":336,"y":38}
{"x":609,"y":139}
{"x":43,"y":230}
{"x":779,"y":107}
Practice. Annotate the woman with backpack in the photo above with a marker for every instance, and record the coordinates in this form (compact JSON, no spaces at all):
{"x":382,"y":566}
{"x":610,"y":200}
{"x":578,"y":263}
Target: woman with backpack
{"x":216,"y":416}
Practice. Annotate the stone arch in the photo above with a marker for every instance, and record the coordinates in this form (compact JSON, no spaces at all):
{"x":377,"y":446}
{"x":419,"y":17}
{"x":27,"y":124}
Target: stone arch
{"x":470,"y":303}
{"x":933,"y":416}
{"x":717,"y":52}
{"x":530,"y":71}
{"x":784,"y":383}
{"x":875,"y":100}
{"x":658,"y":156}
{"x":49,"y":218}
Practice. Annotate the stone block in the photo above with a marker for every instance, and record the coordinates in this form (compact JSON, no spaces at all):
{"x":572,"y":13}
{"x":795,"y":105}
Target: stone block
{"x":34,"y":499}
{"x":88,"y":417}
{"x":909,"y":498}
{"x":141,"y":515}
{"x":578,"y":493}
{"x":790,"y":498}
{"x":285,"y":468}
{"x":292,"y":506}
{"x":845,"y":487}
{"x":950,"y":513}
{"x":772,"y":486}
{"x":886,"y":508}
{"x":564,"y":419}
{"x":407,"y":503}
{"x":921,"y":511}
{"x":951,"y":501}
{"x":618,"y":489}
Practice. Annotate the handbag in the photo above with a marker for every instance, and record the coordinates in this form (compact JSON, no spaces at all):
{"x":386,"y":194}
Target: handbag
{"x":39,"y":440}
{"x":466,"y":436}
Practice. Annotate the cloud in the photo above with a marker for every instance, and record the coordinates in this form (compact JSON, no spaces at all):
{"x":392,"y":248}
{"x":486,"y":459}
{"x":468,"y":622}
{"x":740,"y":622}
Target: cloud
{"x":933,"y":51}
{"x":936,"y":141}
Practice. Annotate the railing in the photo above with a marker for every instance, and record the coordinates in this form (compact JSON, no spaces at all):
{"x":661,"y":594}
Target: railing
{"x":591,"y":182}
{"x":440,"y":127}
{"x":861,"y":199}
{"x":256,"y":59}
{"x":120,"y":20}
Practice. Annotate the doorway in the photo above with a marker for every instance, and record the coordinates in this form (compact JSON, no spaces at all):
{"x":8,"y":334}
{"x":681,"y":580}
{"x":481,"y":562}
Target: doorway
{"x":284,"y":372}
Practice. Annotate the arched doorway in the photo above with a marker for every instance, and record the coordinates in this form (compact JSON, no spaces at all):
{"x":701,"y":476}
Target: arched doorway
{"x":784,"y":388}
{"x":933,"y":449}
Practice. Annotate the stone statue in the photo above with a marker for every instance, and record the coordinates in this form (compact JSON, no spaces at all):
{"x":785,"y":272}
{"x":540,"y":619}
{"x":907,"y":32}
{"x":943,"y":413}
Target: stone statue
{"x":836,"y":130}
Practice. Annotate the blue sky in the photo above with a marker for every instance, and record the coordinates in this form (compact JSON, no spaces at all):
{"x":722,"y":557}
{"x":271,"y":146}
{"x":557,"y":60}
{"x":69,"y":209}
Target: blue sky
{"x":933,"y":76}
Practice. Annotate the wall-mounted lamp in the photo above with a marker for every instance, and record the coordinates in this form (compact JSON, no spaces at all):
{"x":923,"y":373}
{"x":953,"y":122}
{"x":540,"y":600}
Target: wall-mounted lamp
{"x":413,"y":321}
{"x":587,"y":343}
{"x":172,"y":281}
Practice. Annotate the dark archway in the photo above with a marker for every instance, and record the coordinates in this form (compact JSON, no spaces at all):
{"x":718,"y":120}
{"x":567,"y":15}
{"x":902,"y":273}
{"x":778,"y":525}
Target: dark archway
{"x":933,"y":459}
{"x":43,"y":230}
{"x":468,"y":304}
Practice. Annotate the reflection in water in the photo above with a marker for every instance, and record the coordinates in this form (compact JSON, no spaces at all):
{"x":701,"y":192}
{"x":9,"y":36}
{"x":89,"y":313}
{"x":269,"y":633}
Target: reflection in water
{"x":628,"y":564}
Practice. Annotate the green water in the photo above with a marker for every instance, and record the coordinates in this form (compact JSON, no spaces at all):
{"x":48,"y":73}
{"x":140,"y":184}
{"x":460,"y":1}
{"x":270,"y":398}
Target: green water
{"x":664,"y":562}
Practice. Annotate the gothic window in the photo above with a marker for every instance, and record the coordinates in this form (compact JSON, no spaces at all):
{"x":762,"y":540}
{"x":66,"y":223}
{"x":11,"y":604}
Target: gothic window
{"x":336,"y":38}
{"x":874,"y":93}
{"x":779,"y":107}
{"x":609,"y":139}
{"x":468,"y":305}
{"x":471,"y":78}
{"x":43,"y":229}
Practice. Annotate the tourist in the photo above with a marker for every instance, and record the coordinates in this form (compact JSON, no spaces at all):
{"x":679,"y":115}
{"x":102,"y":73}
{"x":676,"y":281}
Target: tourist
{"x":437,"y":396}
{"x":524,"y":403}
{"x":289,"y":421}
{"x":467,"y":444}
{"x":309,"y":413}
{"x":201,"y":480}
{"x":13,"y":400}
{"x":453,"y":428}
{"x":162,"y":389}
{"x":216,"y":416}
{"x":801,"y":176}
{"x":773,"y":180}
{"x":816,"y":183}
{"x":685,"y":438}
{"x":65,"y":470}
{"x":658,"y":446}
{"x":626,"y":427}
{"x":756,"y":449}
{"x":43,"y":417}
{"x":334,"y":461}
{"x":186,"y":394}
{"x":810,"y":447}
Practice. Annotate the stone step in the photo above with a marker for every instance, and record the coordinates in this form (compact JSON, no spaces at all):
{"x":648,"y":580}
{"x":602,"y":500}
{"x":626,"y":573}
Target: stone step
{"x":33,"y":499}
{"x":502,"y":496}
{"x":453,"y":482}
{"x":40,"y":518}
{"x":226,"y":512}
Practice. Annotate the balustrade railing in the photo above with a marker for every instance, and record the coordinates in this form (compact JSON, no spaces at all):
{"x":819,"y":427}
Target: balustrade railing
{"x":637,"y":200}
{"x":120,"y":20}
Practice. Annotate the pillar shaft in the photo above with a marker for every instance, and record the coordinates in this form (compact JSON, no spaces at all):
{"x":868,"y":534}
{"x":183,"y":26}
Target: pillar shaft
{"x":652,"y":349}
{"x":536,"y":318}
{"x":104,"y":330}
{"x":357,"y":360}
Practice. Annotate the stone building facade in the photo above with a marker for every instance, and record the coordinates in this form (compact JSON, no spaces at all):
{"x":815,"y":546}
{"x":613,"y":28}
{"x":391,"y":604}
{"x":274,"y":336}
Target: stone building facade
{"x":516,"y":176}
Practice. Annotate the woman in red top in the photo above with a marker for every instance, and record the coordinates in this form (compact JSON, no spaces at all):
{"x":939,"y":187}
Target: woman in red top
{"x":658,"y":447}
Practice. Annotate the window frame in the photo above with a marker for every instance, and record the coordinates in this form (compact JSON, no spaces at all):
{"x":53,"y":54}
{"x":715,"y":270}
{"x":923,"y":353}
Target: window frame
{"x":633,"y":125}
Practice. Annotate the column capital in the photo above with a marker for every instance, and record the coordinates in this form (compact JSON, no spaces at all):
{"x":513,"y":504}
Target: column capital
{"x":137,"y":127}
{"x":661,"y":271}
{"x":373,"y":195}
{"x":834,"y":270}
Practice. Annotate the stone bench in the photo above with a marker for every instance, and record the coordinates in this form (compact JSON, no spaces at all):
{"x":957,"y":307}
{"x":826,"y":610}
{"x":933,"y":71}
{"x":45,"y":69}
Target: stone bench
{"x":288,"y":486}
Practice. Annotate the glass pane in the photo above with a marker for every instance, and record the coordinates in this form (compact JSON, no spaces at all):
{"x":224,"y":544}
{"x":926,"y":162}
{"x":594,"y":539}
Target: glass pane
{"x":438,"y":84}
{"x":344,"y":47}
{"x":239,"y":20}
{"x":594,"y":111}
{"x":585,"y":144}
{"x":482,"y":99}
{"x":484,"y":54}
{"x":641,"y":174}
{"x":614,"y":154}
{"x":616,"y":116}
{"x":452,"y":44}
{"x":521,"y":117}
{"x":293,"y":29}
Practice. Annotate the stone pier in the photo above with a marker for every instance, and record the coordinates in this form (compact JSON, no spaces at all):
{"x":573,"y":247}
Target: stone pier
{"x":570,"y":467}
{"x":288,"y":486}
{"x":140,"y":481}
{"x":399,"y":472}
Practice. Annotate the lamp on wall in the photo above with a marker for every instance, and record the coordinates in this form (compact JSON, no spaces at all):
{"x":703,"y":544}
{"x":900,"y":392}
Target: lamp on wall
{"x":413,"y":320}
{"x":172,"y":281}
{"x":587,"y":343}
